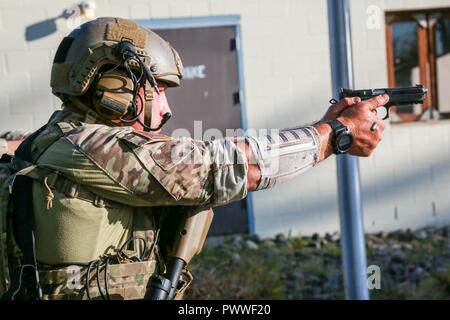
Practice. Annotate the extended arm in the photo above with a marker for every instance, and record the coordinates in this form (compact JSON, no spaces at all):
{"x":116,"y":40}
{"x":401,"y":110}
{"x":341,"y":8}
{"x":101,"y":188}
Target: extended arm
{"x":277,"y":157}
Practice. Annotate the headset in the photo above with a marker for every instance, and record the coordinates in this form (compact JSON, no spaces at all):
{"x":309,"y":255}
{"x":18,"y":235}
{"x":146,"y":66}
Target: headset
{"x":114,"y":93}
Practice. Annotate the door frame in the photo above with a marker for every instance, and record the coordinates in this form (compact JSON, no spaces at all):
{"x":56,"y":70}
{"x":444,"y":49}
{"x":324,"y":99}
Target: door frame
{"x":216,"y":21}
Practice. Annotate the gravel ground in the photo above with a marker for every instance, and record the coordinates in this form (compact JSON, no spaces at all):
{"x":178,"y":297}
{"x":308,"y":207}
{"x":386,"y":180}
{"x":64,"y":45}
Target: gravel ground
{"x":413,"y":265}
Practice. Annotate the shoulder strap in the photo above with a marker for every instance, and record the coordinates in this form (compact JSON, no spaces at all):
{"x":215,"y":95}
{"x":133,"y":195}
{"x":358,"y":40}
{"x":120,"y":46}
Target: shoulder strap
{"x":23,"y":226}
{"x":65,"y":127}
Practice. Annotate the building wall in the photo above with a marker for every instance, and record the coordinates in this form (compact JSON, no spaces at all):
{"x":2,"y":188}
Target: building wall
{"x":287,"y":76}
{"x":407,"y":181}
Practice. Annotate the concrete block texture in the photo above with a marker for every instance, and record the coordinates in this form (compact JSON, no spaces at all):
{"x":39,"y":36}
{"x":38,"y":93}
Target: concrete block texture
{"x":286,"y":61}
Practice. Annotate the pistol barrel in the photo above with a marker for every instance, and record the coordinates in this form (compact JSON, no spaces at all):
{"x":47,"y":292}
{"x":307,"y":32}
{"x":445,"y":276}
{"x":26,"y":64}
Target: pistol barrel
{"x":397,"y":96}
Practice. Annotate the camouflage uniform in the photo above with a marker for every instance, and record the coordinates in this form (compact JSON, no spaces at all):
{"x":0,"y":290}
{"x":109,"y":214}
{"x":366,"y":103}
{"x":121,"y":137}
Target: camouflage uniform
{"x":96,"y":186}
{"x":99,"y":188}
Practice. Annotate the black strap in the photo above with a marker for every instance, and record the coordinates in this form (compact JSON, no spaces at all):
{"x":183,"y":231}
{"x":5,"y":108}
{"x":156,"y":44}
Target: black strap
{"x":24,"y":278}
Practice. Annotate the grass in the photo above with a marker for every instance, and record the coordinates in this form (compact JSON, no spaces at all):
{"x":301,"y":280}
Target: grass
{"x":299,"y":268}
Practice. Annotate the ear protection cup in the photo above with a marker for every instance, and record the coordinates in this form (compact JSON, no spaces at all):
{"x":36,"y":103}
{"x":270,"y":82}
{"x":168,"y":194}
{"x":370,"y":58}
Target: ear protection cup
{"x":113,"y":94}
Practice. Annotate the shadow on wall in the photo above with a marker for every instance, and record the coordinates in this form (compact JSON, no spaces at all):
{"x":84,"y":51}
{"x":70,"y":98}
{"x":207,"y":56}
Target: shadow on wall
{"x":45,"y":28}
{"x":389,"y":195}
{"x":73,"y":17}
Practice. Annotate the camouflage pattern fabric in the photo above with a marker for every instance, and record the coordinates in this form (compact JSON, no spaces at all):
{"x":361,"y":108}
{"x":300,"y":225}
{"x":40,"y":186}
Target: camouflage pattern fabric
{"x":10,"y":255}
{"x":156,"y":169}
{"x":114,"y":181}
{"x":4,"y":201}
{"x":125,"y":282}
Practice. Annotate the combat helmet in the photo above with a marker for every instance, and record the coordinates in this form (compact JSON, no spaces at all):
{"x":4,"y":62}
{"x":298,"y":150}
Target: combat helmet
{"x":108,"y":58}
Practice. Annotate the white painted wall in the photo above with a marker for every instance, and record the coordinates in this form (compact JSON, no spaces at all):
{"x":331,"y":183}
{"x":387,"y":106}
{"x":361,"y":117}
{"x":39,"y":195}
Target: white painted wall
{"x":410,"y":172}
{"x":286,"y":42}
{"x":443,"y":63}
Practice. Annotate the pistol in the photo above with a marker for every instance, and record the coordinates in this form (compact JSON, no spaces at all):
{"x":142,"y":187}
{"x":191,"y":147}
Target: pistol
{"x":397,"y":96}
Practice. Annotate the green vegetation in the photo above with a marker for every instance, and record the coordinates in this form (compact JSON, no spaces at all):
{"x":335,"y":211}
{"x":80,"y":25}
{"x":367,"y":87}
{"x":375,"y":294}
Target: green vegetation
{"x":414,"y":265}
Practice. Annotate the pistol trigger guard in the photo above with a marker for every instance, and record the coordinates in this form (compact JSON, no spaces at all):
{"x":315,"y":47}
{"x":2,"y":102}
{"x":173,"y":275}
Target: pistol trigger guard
{"x":333,"y":101}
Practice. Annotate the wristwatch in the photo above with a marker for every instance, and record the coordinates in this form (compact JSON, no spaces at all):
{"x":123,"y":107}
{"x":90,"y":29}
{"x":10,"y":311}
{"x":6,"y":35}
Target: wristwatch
{"x":343,"y":138}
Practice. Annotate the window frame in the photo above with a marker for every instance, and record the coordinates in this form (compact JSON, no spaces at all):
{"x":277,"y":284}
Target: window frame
{"x":427,"y":55}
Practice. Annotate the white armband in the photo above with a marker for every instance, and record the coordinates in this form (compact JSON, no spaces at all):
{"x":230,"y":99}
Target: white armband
{"x":284,"y":154}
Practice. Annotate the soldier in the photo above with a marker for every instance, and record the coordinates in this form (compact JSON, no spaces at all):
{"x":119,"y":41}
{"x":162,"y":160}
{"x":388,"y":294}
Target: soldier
{"x":102,"y":175}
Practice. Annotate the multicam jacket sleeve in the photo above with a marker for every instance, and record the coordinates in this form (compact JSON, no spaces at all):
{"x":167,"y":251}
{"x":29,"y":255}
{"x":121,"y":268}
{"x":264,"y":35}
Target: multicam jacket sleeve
{"x":123,"y":165}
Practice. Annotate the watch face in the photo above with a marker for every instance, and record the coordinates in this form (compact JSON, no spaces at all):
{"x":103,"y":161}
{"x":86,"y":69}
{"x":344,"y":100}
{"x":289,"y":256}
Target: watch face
{"x":344,"y":142}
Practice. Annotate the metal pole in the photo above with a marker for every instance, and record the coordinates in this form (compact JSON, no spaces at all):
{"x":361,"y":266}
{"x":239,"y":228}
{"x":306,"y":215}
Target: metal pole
{"x":350,"y":208}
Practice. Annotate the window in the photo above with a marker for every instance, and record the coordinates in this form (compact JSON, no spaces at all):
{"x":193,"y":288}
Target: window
{"x":418,"y":51}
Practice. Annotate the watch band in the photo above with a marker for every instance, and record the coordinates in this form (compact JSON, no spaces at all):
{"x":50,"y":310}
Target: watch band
{"x":339,"y":129}
{"x":337,"y":126}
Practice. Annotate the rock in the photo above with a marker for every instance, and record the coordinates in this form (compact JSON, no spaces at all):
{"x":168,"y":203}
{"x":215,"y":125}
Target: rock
{"x":249,"y":244}
{"x":314,"y":244}
{"x":314,"y":280}
{"x":398,"y":257}
{"x":268,"y":243}
{"x":397,"y":270}
{"x":382,"y":235}
{"x":442,"y":270}
{"x":236,"y":258}
{"x":407,"y":246}
{"x":382,"y":249}
{"x":401,"y":235}
{"x":420,"y":234}
{"x":333,"y":282}
{"x":296,"y":276}
{"x":425,"y":265}
{"x":335,"y":237}
{"x":419,"y":271}
{"x":415,"y":274}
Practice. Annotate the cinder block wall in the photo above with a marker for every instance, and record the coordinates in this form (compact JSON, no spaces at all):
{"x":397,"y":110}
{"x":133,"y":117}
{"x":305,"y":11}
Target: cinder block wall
{"x":287,"y":76}
{"x":407,"y":181}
